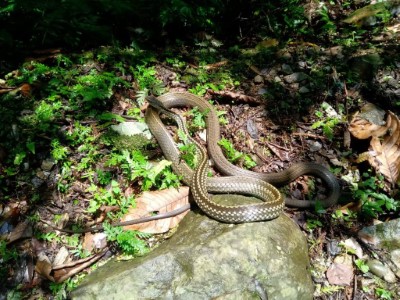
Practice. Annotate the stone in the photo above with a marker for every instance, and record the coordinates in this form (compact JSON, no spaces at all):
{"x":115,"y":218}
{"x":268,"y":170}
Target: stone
{"x":287,"y":69}
{"x":384,"y":235}
{"x":132,"y":128}
{"x":47,"y":164}
{"x":206,"y":259}
{"x":379,"y":269}
{"x":258,"y":79}
{"x":262,"y":91}
{"x":295,"y":77}
{"x":304,"y":90}
{"x":395,"y":258}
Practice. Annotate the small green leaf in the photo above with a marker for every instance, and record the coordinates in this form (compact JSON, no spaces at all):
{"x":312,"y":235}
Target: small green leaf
{"x":31,"y":147}
{"x":19,"y":158}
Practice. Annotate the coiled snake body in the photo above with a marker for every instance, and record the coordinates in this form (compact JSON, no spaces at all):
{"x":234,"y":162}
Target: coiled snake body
{"x":240,"y":180}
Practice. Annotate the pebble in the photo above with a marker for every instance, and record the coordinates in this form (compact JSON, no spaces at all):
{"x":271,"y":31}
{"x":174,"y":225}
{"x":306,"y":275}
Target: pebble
{"x":262,"y":91}
{"x":381,"y":270}
{"x":295,"y":77}
{"x":333,"y":248}
{"x":395,"y":258}
{"x":37,"y":182}
{"x":304,"y":90}
{"x":258,"y":79}
{"x":302,"y":64}
{"x":252,"y":129}
{"x":314,"y":146}
{"x":47,"y":164}
{"x":287,"y":69}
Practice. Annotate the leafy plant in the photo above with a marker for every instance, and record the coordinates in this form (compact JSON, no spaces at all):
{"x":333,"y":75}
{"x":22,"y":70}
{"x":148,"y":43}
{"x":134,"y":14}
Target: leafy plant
{"x":383,"y":293}
{"x":313,"y":223}
{"x":361,"y":265}
{"x":328,"y":122}
{"x":147,"y":82}
{"x":129,"y":241}
{"x":374,"y":202}
{"x":233,"y":155}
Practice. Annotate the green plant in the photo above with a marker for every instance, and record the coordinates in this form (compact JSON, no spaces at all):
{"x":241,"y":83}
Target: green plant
{"x":147,"y":82}
{"x":136,"y":166}
{"x":59,"y":152}
{"x":361,"y":265}
{"x":198,"y":119}
{"x":328,"y":122}
{"x":374,"y":201}
{"x":111,"y":196}
{"x":313,"y":223}
{"x":384,"y":294}
{"x":233,"y":155}
{"x":329,"y":25}
{"x":60,"y":290}
{"x":48,"y":236}
{"x":128,"y":240}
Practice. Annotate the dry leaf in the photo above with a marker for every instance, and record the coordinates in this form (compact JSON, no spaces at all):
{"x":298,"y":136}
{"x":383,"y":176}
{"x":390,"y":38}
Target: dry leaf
{"x":23,"y":230}
{"x":65,"y":271}
{"x":384,"y":152}
{"x":369,"y":122}
{"x":387,"y":158}
{"x":158,"y":202}
{"x":43,"y":267}
{"x":341,"y":272}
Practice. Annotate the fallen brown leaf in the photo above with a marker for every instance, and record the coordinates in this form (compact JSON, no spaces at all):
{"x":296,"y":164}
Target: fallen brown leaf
{"x":158,"y":202}
{"x":384,"y":152}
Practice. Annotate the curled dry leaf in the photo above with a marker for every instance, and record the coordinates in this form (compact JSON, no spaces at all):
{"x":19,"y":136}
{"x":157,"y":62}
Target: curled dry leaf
{"x":384,"y":152}
{"x":369,"y":122}
{"x":158,"y":202}
{"x":387,"y":158}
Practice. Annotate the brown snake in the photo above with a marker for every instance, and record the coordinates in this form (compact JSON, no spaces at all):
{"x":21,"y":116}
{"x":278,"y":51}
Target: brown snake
{"x":240,"y":180}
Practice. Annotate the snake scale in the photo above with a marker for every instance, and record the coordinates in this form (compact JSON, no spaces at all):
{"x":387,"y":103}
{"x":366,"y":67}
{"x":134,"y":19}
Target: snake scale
{"x":238,"y":180}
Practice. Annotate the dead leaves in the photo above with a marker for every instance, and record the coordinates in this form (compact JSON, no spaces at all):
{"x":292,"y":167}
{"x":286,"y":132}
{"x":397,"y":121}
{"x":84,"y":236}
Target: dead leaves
{"x":384,"y":152}
{"x":158,"y":202}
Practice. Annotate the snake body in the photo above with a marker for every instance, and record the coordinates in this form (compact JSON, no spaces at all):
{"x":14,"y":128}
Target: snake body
{"x":239,"y":180}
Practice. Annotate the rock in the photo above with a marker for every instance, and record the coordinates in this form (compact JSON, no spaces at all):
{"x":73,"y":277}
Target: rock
{"x":380,"y":270}
{"x":336,"y":51}
{"x":262,"y":91}
{"x":132,"y":128}
{"x":206,"y":259}
{"x":395,"y":258}
{"x":384,"y":235}
{"x":304,"y":90}
{"x":252,"y":129}
{"x":286,"y":69}
{"x":48,"y":164}
{"x":314,"y":146}
{"x":333,"y":248}
{"x":258,"y":79}
{"x":285,"y":55}
{"x":295,"y":77}
{"x":302,"y":64}
{"x":37,"y":182}
{"x":354,"y":246}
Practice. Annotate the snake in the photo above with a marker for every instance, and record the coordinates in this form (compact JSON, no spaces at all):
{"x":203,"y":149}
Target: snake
{"x":237,"y":180}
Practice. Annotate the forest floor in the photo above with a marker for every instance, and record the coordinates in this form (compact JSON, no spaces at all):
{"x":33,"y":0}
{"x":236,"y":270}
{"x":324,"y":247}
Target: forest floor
{"x":62,"y":167}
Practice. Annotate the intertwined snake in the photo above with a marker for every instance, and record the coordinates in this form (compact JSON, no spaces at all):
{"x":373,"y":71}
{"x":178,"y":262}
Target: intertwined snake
{"x":240,"y":180}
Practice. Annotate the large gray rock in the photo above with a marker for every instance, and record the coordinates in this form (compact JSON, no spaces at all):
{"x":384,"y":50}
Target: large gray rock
{"x":206,"y":259}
